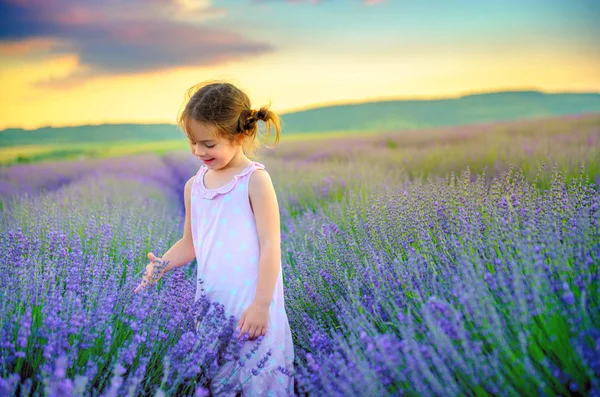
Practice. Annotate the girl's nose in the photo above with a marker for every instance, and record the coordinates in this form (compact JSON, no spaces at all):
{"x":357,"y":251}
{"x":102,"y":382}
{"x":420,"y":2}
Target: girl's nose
{"x":198,"y":151}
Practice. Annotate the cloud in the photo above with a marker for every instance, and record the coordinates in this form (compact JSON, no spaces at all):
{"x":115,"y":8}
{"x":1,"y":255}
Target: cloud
{"x":122,"y":36}
{"x":26,"y":47}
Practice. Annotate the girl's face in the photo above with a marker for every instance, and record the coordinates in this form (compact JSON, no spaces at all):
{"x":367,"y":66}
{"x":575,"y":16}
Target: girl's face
{"x":214,"y":152}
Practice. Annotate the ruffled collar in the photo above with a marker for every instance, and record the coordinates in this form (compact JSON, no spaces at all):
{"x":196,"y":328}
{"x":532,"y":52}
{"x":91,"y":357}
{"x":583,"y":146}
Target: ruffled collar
{"x":212,"y":193}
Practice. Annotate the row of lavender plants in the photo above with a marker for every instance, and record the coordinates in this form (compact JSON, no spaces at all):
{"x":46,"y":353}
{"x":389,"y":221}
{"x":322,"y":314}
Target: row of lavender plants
{"x":446,"y":286}
{"x":449,"y":287}
{"x":567,"y":141}
{"x":31,"y":179}
{"x":72,"y":255}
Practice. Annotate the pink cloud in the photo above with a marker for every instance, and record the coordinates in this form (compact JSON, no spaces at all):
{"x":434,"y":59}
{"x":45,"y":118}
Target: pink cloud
{"x":26,"y":46}
{"x":79,"y":15}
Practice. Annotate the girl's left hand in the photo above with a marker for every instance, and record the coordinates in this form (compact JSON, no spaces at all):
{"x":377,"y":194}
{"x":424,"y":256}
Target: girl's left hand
{"x":255,"y":320}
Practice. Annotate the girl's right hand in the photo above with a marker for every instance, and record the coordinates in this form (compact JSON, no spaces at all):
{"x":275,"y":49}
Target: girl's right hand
{"x":147,"y":277}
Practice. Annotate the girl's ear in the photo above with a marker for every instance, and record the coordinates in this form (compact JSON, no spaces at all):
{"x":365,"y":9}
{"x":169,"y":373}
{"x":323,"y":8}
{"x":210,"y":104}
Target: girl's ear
{"x":239,"y":140}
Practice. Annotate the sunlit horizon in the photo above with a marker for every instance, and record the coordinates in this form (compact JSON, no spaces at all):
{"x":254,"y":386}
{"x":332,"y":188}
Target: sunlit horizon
{"x":172,"y":121}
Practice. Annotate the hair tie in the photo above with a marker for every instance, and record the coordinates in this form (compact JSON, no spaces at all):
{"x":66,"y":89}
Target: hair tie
{"x":246,"y":120}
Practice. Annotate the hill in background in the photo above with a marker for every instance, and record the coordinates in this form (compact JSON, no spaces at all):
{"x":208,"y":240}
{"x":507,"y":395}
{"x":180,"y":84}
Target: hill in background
{"x":418,"y":114}
{"x":103,"y":133}
{"x":372,"y":116}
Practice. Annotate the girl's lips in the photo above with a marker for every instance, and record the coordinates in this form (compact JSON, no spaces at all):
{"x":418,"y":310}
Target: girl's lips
{"x":208,"y":161}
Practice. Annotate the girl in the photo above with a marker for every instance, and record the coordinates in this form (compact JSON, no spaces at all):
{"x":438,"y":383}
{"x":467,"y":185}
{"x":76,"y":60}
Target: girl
{"x":232,"y":228}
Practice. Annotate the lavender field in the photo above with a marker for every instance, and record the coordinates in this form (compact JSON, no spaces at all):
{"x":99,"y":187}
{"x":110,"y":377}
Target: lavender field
{"x":448,"y":262}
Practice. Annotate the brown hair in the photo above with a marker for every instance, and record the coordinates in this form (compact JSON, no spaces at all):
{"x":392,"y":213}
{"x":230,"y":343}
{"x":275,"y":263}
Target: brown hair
{"x":228,"y":109}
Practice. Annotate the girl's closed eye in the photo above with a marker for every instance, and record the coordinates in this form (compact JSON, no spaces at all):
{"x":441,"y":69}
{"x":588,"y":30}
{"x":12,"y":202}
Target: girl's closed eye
{"x":210,"y":146}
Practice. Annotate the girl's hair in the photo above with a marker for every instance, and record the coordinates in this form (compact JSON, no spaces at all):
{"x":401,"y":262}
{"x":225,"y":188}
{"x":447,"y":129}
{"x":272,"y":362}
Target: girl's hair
{"x":228,"y":109}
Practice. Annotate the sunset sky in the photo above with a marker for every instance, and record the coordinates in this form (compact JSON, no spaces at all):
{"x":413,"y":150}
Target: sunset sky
{"x":71,"y":62}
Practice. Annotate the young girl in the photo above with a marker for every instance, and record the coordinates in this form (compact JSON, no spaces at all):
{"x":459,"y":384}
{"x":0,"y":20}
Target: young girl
{"x":232,"y":228}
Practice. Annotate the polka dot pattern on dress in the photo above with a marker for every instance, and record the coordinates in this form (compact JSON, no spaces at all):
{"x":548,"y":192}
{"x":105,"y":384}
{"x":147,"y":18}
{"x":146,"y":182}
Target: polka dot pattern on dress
{"x":227,"y":250}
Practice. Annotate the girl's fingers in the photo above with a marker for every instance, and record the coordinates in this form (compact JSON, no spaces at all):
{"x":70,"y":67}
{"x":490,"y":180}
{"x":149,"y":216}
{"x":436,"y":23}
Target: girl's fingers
{"x":152,"y":257}
{"x":243,"y":329}
{"x":252,"y":332}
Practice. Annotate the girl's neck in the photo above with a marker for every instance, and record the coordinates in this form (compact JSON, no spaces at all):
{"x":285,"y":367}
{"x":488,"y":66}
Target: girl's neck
{"x":238,"y":162}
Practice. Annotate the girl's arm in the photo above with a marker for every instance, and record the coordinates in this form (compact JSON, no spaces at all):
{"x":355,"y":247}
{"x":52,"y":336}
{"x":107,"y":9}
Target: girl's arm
{"x":183,"y":250}
{"x":266,"y":213}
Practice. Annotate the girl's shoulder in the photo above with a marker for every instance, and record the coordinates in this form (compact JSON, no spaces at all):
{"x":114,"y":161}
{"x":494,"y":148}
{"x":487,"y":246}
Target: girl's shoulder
{"x":260,"y":181}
